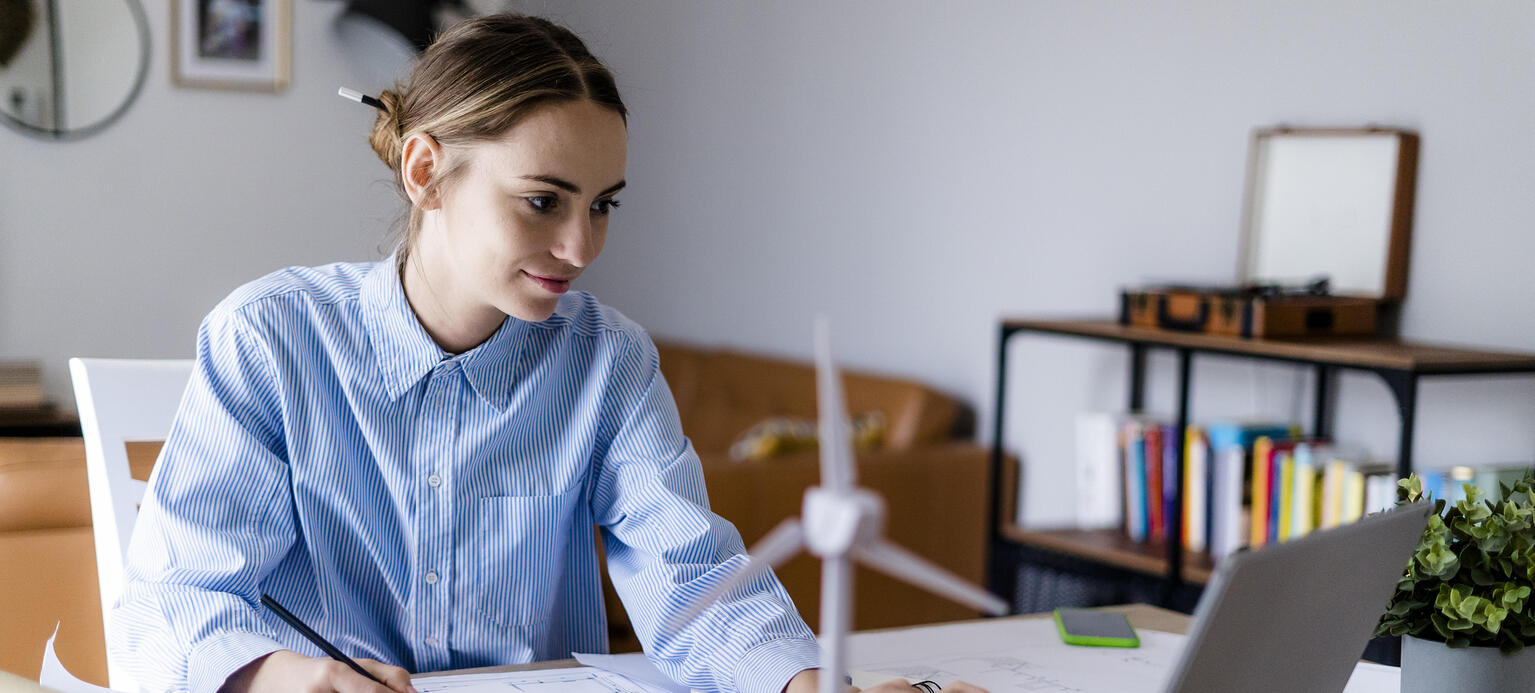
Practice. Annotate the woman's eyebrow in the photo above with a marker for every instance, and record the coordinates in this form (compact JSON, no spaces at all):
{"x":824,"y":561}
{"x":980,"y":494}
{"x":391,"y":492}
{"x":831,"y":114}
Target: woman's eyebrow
{"x":572,"y":188}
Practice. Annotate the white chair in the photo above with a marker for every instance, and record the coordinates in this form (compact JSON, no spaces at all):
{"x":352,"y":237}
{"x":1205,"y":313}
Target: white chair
{"x":121,"y":400}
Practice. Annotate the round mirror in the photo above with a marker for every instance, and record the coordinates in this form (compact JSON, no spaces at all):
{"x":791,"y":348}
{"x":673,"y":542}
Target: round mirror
{"x":70,"y":67}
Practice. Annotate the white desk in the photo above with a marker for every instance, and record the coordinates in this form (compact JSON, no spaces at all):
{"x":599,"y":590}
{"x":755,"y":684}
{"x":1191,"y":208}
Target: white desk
{"x":1142,"y":616}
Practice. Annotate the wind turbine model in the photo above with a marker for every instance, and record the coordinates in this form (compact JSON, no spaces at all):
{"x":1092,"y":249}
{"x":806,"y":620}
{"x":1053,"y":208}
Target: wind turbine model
{"x":842,"y":522}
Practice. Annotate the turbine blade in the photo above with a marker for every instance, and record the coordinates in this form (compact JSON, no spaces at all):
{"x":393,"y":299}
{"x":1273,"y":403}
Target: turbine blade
{"x":837,"y":469}
{"x":892,"y":560}
{"x":775,"y":547}
{"x":778,"y":545}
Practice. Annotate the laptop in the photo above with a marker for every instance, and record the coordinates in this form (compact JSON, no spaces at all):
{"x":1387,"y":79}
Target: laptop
{"x":1297,"y":616}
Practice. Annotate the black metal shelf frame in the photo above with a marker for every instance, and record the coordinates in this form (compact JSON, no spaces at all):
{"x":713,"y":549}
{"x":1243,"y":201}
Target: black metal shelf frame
{"x":1403,"y":384}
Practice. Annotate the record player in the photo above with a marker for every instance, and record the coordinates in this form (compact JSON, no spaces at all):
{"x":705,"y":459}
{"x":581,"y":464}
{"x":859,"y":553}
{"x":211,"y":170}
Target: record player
{"x":1327,"y":222}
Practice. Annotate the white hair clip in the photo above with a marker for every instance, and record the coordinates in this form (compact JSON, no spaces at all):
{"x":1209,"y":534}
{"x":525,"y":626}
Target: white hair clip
{"x":362,"y":98}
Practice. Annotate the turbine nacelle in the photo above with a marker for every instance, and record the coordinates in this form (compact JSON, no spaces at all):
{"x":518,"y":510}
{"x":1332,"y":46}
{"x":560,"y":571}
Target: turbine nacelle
{"x":836,"y":521}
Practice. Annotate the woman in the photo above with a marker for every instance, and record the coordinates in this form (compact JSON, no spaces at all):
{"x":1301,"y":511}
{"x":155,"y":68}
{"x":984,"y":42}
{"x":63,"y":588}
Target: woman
{"x":414,"y":455}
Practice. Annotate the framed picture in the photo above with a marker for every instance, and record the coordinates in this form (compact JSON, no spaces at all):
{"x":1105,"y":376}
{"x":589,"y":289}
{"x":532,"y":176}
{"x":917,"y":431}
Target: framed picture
{"x":231,"y":44}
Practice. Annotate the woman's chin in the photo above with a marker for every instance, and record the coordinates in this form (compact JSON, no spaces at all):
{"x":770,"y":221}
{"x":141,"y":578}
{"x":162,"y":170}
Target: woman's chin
{"x":531,"y":311}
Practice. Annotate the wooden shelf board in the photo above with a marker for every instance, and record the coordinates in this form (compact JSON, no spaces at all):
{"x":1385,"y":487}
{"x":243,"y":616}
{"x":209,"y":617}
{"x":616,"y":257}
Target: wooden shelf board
{"x":1389,"y":354}
{"x":1112,"y":547}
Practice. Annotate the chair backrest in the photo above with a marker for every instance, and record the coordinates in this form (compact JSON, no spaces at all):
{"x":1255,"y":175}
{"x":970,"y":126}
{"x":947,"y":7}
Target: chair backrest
{"x":121,"y":400}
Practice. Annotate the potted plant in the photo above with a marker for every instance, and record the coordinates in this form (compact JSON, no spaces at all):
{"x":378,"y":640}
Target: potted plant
{"x":1463,"y":606}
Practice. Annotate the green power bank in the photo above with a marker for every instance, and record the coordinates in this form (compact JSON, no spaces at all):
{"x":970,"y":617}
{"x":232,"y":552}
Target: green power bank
{"x":1093,"y":628}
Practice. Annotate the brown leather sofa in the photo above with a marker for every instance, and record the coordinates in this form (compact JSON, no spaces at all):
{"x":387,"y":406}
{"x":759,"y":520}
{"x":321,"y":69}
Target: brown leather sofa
{"x":935,"y":484}
{"x":48,"y":559}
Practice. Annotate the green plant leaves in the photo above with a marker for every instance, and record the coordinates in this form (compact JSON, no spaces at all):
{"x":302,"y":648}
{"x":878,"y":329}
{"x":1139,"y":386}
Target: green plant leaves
{"x":1469,"y":581}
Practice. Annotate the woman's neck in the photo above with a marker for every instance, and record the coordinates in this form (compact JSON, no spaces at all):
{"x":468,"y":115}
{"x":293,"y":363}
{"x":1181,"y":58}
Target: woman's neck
{"x":448,"y":313}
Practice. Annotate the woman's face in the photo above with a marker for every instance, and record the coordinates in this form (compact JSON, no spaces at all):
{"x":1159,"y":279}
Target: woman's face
{"x":530,"y":212}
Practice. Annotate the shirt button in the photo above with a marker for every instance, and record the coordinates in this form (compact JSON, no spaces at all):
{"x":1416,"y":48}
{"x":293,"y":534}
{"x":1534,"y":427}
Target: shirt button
{"x":434,"y":481}
{"x":430,"y":641}
{"x":431,"y":578}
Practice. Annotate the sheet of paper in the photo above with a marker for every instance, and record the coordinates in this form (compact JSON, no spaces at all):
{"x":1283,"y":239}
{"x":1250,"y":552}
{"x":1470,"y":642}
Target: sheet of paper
{"x":1015,"y":654}
{"x":55,"y":676}
{"x":635,"y":667}
{"x":11,"y":683}
{"x":1374,"y":678}
{"x":567,"y":680}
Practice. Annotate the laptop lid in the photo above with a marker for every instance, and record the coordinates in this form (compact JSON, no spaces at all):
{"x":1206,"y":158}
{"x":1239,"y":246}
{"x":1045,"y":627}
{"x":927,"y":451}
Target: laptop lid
{"x":1297,"y":616}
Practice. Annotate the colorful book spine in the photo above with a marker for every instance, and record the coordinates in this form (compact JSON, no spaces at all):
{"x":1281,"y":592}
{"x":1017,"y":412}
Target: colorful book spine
{"x":1277,"y":454}
{"x":1334,"y":477}
{"x":1353,"y":497}
{"x":1228,"y":522}
{"x":1285,"y":505}
{"x":1135,"y":482}
{"x":1196,"y":490}
{"x":1304,"y":510}
{"x":1263,"y":453}
{"x":1455,"y":482}
{"x":1170,"y":461}
{"x":1152,"y":449}
{"x":1433,"y":483}
{"x":1241,"y":484}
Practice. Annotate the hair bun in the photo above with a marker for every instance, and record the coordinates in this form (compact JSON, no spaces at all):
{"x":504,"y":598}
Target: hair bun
{"x":385,"y":137}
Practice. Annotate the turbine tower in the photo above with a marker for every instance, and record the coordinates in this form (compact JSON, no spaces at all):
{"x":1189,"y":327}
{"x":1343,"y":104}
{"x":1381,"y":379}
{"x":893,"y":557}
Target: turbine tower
{"x":842,"y":523}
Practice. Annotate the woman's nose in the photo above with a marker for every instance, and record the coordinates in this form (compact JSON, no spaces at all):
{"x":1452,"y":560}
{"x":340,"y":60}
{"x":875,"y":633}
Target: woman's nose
{"x":576,"y":243}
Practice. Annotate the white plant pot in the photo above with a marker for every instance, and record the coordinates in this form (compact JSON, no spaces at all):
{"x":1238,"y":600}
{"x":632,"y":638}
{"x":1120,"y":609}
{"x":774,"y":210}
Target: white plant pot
{"x":1433,"y":667}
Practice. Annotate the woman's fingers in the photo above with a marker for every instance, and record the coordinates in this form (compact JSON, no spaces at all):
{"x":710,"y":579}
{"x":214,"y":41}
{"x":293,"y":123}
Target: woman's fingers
{"x":394,"y":677}
{"x":904,"y":686}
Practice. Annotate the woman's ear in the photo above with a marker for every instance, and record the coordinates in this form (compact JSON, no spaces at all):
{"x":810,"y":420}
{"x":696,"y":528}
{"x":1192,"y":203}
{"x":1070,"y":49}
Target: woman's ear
{"x":420,"y":159}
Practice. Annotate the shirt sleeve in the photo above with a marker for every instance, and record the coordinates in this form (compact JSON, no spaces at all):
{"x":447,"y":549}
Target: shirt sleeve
{"x":216,"y":519}
{"x":664,"y":545}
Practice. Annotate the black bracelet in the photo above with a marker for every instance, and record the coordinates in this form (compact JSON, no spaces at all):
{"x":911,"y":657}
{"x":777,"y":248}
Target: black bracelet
{"x":927,"y":686}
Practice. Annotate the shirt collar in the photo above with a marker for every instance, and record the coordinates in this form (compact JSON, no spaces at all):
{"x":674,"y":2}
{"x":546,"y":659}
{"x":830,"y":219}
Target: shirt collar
{"x":406,"y":353}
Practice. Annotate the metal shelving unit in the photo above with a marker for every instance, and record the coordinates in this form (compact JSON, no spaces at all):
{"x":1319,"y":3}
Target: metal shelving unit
{"x":1400,"y":364}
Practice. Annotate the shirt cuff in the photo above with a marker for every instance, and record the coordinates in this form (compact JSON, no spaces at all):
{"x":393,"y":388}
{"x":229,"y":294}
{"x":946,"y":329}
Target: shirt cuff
{"x":768,"y":667}
{"x":213,"y":660}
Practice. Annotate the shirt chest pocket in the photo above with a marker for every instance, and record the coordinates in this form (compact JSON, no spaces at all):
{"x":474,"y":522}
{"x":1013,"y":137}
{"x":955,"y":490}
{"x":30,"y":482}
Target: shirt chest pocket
{"x":521,"y":557}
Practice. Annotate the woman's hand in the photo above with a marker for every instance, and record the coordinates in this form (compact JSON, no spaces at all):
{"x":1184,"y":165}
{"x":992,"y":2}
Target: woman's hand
{"x":808,"y":681}
{"x":286,"y":671}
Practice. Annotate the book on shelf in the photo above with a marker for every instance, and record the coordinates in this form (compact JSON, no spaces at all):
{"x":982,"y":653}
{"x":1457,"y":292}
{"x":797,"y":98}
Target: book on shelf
{"x":1197,"y":489}
{"x":1230,"y":471}
{"x":1151,"y":443}
{"x":1449,"y":483}
{"x":1099,"y":481}
{"x":1245,"y":485}
{"x":1491,"y":479}
{"x":1137,"y":520}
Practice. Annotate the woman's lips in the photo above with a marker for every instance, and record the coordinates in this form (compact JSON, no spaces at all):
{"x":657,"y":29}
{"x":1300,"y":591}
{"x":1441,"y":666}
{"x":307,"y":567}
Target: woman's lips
{"x":553,"y":285}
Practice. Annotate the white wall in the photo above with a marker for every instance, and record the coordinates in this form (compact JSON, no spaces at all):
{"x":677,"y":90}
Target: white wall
{"x":118,"y":244}
{"x":98,"y":57}
{"x":915,"y":169}
{"x":920,"y":169}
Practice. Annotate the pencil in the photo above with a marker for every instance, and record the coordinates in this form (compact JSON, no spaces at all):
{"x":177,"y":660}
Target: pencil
{"x":315,"y":638}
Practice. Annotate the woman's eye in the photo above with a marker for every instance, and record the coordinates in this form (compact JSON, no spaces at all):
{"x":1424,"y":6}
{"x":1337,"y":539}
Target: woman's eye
{"x":542,"y":203}
{"x":606,"y":207}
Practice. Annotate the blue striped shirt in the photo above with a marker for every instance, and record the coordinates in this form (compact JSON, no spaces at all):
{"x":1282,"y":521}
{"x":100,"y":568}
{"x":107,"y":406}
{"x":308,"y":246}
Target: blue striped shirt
{"x":431,"y":511}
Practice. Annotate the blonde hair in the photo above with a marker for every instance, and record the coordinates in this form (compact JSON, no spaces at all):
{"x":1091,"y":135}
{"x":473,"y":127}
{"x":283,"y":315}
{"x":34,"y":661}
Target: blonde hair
{"x":475,"y":82}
